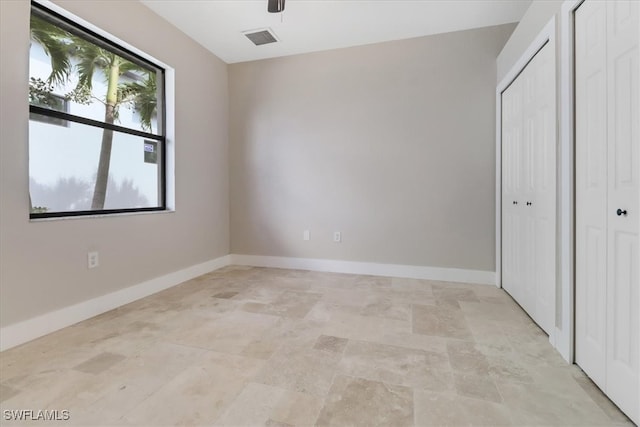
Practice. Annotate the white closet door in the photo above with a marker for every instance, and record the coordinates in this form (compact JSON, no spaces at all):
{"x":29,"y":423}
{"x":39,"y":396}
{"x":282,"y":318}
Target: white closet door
{"x":623,"y":328}
{"x":542,"y":183}
{"x":591,"y":189}
{"x":530,"y":140}
{"x":607,"y":198}
{"x":512,"y":201}
{"x":529,"y":188}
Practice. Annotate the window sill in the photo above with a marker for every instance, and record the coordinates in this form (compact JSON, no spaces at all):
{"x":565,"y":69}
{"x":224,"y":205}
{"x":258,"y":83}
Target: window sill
{"x":111,"y":215}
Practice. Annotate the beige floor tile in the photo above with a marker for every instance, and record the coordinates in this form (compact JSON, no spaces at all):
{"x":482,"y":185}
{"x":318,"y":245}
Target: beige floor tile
{"x":46,"y":354}
{"x":364,"y":282}
{"x":114,"y":403}
{"x":298,"y":409}
{"x":486,"y":331}
{"x":199,"y":394}
{"x":225,"y":294}
{"x":293,"y":304}
{"x":151,"y":367}
{"x":396,"y":365}
{"x":346,"y":321}
{"x":509,"y":368}
{"x":100,"y":363}
{"x":413,"y":341}
{"x":404,"y":285}
{"x":495,"y":309}
{"x":449,"y":292}
{"x":327,"y":307}
{"x":361,"y":402}
{"x":610,"y":409}
{"x":440,"y":409}
{"x":536,"y":353}
{"x":484,"y":413}
{"x":414,"y":296}
{"x":122,"y":387}
{"x":274,"y":423}
{"x":441,"y":321}
{"x":263,"y":294}
{"x":300,"y":369}
{"x":7,"y":392}
{"x":531,"y":404}
{"x":230,"y":333}
{"x":329,"y":343}
{"x":366,"y":328}
{"x":252,"y":407}
{"x":559,"y":381}
{"x":477,"y":386}
{"x":209,"y":306}
{"x":387,"y":308}
{"x":261,"y":348}
{"x":57,"y":390}
{"x":325,"y":281}
{"x":286,"y":331}
{"x":347,"y":297}
{"x":466,"y":358}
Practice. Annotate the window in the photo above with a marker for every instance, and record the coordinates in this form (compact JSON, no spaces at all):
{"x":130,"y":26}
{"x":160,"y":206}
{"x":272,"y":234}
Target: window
{"x":96,"y":123}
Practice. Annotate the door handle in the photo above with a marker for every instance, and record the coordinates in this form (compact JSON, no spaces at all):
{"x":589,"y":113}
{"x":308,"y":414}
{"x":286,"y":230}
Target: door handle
{"x":621,"y":212}
{"x":515,"y":202}
{"x":529,"y":203}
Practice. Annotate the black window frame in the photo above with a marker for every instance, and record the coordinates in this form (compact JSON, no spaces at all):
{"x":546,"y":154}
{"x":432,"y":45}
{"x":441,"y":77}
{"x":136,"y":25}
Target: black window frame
{"x":79,"y":30}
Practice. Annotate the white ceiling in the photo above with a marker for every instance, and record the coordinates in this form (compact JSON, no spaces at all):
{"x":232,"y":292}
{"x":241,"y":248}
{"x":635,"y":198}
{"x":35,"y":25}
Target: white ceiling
{"x":314,"y":25}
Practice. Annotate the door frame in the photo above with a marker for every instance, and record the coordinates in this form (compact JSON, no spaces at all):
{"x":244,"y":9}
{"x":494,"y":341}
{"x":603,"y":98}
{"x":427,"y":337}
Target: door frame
{"x":546,"y":35}
{"x":565,"y":342}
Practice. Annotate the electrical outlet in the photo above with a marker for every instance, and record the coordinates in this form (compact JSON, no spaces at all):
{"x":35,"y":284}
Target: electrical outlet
{"x":337,"y":236}
{"x":306,"y":235}
{"x":92,"y":260}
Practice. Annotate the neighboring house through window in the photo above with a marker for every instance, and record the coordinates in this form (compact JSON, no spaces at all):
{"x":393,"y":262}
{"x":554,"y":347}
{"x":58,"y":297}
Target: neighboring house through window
{"x":55,"y":102}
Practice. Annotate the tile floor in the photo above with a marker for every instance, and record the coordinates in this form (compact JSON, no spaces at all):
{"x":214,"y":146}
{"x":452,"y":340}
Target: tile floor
{"x":267,"y":347}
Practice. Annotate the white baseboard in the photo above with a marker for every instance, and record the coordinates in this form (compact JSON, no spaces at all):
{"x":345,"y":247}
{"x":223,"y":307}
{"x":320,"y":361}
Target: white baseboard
{"x":561,"y":342}
{"x":30,"y":329}
{"x":368,"y":268}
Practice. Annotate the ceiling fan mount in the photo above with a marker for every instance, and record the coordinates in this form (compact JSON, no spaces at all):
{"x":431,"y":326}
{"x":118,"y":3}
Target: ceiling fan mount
{"x":275,"y":6}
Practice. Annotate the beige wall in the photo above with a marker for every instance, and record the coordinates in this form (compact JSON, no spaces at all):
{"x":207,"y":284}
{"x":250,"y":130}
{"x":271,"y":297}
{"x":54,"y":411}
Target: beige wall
{"x":533,"y":21}
{"x":43,"y":264}
{"x":392,"y":144}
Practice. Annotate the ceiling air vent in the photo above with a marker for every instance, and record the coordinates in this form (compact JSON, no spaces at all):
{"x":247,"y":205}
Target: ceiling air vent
{"x":260,"y":37}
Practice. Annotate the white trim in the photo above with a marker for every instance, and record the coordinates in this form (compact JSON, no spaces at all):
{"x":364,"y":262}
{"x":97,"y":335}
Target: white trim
{"x":99,"y":215}
{"x":546,"y":35}
{"x":565,"y":335}
{"x":170,"y":137}
{"x":30,"y":329}
{"x":368,"y":268}
{"x":499,"y":188}
{"x":169,"y":102}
